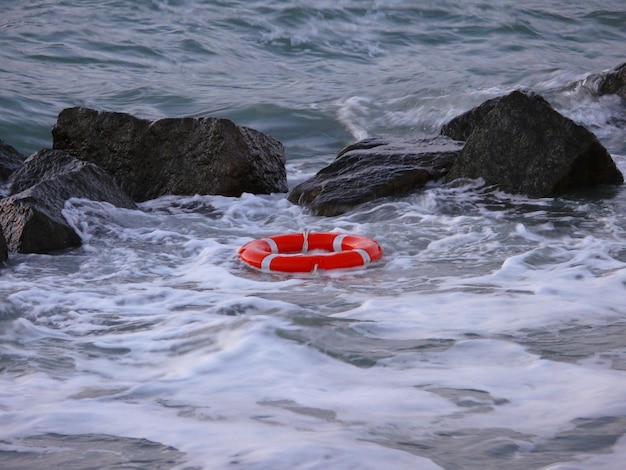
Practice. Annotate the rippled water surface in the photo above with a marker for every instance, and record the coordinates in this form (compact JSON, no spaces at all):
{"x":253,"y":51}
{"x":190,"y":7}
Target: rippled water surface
{"x":491,"y":335}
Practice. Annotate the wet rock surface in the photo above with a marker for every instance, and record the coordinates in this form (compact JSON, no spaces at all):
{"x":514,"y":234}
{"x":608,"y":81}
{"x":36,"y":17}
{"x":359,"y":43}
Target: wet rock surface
{"x":613,"y":82}
{"x":460,"y":127}
{"x":173,"y":156}
{"x":376,"y":168}
{"x":522,"y":145}
{"x":31,"y":216}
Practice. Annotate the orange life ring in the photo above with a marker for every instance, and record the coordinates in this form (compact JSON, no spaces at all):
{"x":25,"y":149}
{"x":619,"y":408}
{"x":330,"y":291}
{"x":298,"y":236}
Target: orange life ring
{"x":310,"y":251}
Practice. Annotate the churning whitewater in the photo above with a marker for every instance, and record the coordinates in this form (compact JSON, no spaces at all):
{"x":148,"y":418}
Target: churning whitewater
{"x":491,"y":334}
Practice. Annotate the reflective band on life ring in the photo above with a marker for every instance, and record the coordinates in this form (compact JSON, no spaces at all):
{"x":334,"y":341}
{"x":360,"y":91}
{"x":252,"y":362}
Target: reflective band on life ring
{"x":309,"y":251}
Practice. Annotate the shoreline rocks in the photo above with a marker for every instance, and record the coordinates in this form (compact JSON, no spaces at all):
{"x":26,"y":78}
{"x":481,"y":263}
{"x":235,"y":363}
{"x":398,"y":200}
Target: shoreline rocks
{"x":373,"y":169}
{"x":121,"y":159}
{"x":517,"y":143}
{"x":523,"y":146}
{"x":31,"y":215}
{"x":173,"y":156}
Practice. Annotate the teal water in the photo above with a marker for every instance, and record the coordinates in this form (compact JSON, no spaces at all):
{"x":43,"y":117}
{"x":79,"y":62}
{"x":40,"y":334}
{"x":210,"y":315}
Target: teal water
{"x":492,"y":334}
{"x":291,"y":68}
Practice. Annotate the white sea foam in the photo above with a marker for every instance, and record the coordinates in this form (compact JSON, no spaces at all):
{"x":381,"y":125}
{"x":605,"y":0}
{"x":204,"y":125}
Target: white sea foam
{"x":490,"y":335}
{"x":353,"y":114}
{"x":159,"y":332}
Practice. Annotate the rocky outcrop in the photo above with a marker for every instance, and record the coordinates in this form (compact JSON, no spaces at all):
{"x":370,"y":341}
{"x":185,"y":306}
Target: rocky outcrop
{"x":181,"y":156}
{"x":31,"y":216}
{"x":524,"y":146}
{"x":10,"y":161}
{"x":375,"y":168}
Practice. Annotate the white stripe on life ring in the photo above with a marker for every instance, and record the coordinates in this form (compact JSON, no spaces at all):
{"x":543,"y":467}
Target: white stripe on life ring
{"x":272,"y":244}
{"x":265,"y":264}
{"x":365,"y":255}
{"x":338,"y":240}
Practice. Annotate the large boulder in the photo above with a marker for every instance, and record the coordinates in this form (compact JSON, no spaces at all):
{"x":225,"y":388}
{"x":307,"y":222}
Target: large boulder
{"x":31,"y":216}
{"x":375,"y":168}
{"x":524,"y":146}
{"x":182,"y":156}
{"x":10,"y":160}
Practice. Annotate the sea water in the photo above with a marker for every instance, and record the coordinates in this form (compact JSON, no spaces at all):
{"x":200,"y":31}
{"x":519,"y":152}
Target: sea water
{"x":491,"y":335}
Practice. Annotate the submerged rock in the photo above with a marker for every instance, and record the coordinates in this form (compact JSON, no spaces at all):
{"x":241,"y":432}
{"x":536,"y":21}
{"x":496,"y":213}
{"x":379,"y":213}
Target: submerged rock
{"x":179,"y":156}
{"x":524,"y":146}
{"x":31,"y":216}
{"x":375,"y":168}
{"x":10,"y":161}
{"x":613,"y":82}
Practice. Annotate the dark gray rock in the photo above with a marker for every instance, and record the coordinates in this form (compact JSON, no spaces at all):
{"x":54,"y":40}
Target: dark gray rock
{"x":10,"y":160}
{"x":375,"y":168}
{"x":613,"y":82}
{"x":460,"y":127}
{"x":31,"y":228}
{"x":524,"y":146}
{"x":31,"y":216}
{"x":4,"y":250}
{"x":183,"y":156}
